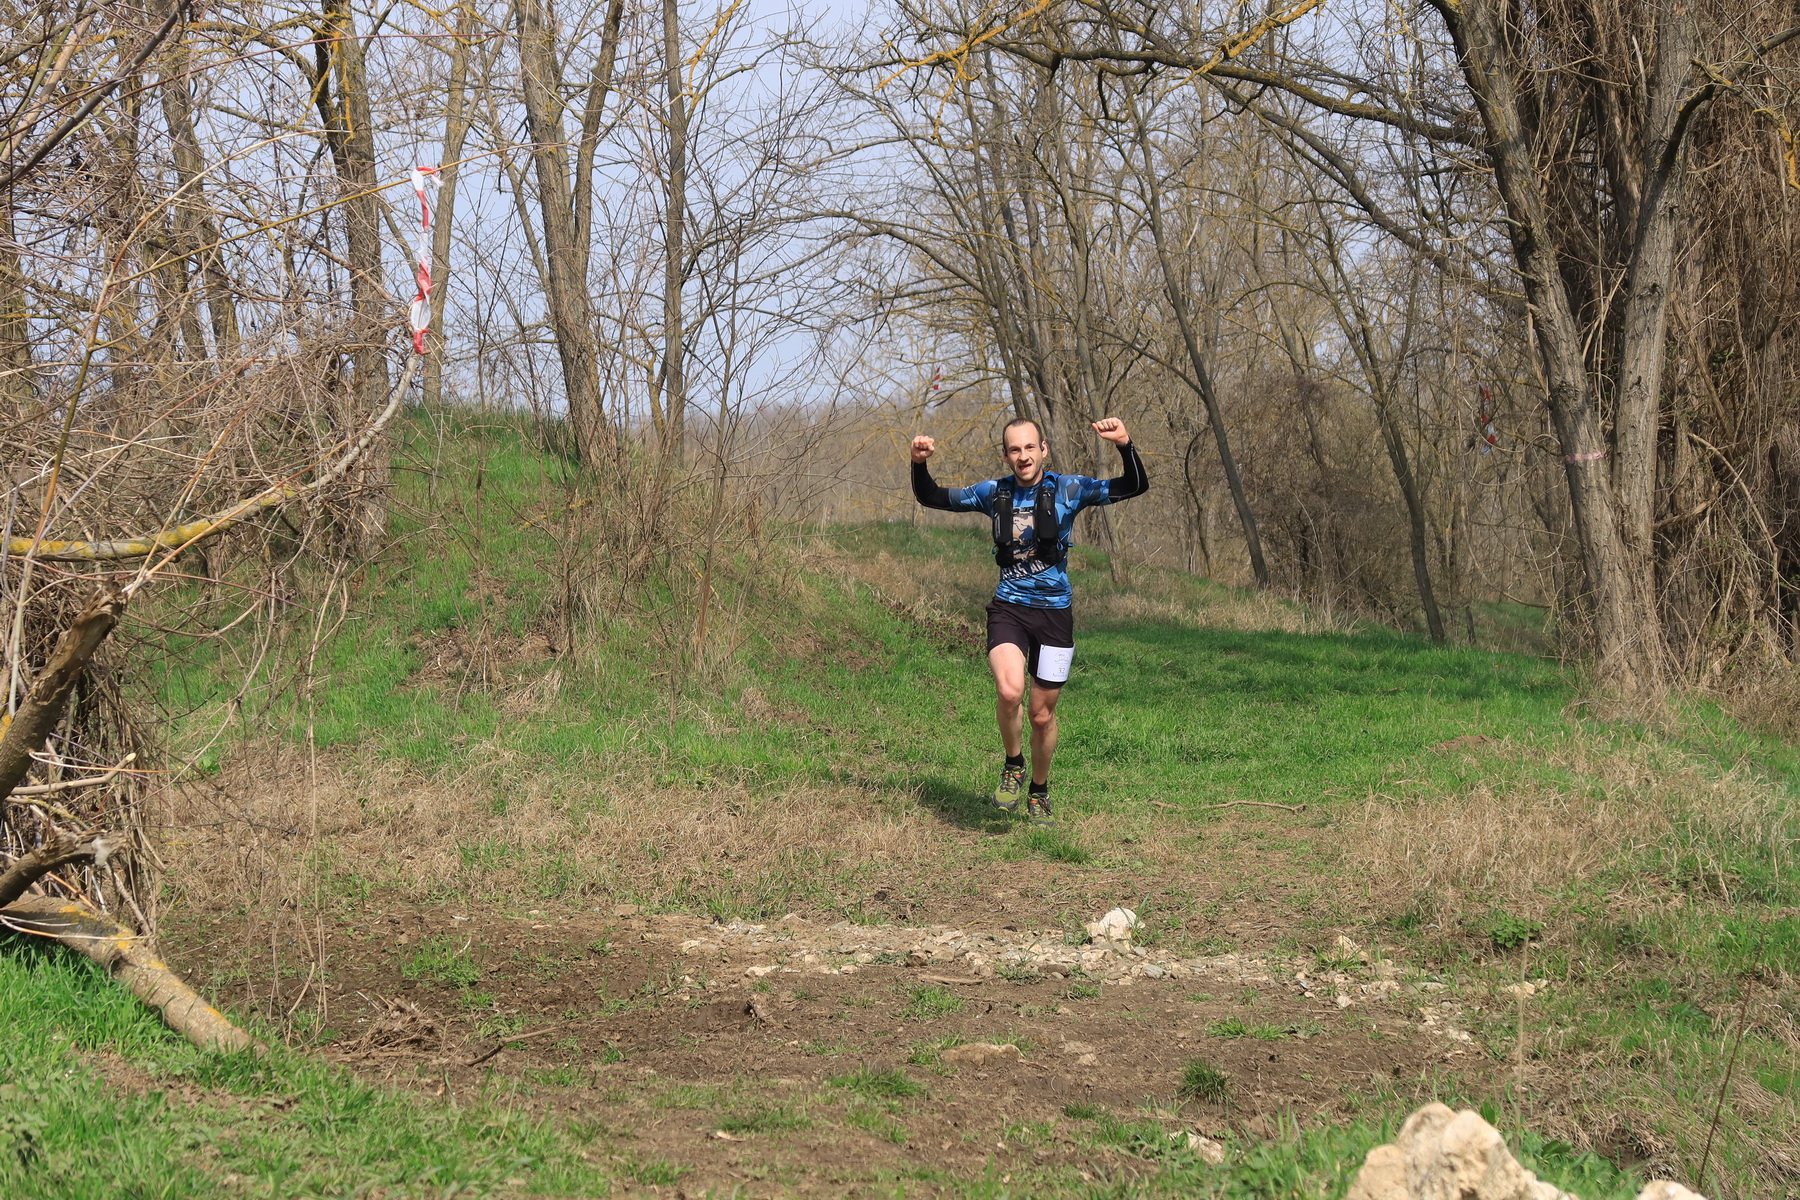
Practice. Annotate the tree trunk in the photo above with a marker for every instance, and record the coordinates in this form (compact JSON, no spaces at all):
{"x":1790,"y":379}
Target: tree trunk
{"x":17,"y":386}
{"x":196,"y":232}
{"x":129,"y":961}
{"x":1627,"y":639}
{"x":1643,"y":343}
{"x":350,"y":134}
{"x":456,"y":128}
{"x":674,"y":238}
{"x":25,"y":731}
{"x":565,"y":283}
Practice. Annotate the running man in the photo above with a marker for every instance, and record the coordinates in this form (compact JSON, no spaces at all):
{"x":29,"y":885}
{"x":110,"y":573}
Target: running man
{"x":1031,"y":624}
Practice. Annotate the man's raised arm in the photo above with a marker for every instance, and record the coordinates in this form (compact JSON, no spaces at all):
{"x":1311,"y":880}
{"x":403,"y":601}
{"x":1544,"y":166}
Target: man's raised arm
{"x":1131,"y":480}
{"x":926,"y":490}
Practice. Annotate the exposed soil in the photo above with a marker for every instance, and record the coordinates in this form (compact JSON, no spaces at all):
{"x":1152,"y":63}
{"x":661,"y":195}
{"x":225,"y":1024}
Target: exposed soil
{"x":660,"y":1029}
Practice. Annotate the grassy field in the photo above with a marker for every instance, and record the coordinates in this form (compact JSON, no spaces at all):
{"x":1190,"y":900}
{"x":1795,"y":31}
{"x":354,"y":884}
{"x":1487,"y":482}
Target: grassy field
{"x":461,"y":739}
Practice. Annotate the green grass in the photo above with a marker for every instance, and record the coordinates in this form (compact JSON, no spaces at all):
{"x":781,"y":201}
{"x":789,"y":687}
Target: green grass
{"x":878,"y":1085}
{"x":879,"y":1123}
{"x":928,"y":1002}
{"x":1155,"y":711}
{"x":931,"y":1053}
{"x":1188,"y":715}
{"x":102,"y":1101}
{"x":1232,"y":1027}
{"x":766,"y":1120}
{"x":1202,"y":1081}
{"x":442,"y":959}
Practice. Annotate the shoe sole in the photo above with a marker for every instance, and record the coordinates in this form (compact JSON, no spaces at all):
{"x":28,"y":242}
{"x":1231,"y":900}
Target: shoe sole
{"x":1004,"y":805}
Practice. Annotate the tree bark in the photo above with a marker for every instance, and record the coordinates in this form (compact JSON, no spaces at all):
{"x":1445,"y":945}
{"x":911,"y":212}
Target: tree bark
{"x":196,"y":232}
{"x":1643,"y":343}
{"x":61,"y":850}
{"x":1360,"y":332}
{"x":17,"y":385}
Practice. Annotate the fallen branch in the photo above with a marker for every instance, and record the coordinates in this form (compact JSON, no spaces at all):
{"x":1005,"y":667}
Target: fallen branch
{"x":129,"y":961}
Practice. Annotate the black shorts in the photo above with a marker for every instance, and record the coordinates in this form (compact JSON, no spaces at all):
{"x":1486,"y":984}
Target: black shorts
{"x":1046,"y":635}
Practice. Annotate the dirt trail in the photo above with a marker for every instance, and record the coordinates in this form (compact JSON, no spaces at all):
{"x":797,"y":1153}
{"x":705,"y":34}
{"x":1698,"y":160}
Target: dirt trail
{"x":714,"y":1047}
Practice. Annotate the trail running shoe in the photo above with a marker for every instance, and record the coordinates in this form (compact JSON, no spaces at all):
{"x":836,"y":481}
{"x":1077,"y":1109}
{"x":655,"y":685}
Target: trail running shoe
{"x":1012,"y":781}
{"x":1037,"y":808}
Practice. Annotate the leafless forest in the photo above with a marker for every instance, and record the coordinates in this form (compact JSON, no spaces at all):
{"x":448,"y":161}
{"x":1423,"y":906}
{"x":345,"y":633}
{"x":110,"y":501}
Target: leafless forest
{"x":1415,"y":309}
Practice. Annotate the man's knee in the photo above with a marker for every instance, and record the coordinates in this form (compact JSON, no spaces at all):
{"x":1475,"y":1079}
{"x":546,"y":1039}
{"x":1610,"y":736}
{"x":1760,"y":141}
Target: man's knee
{"x":1011,"y":694}
{"x":1042,"y":718}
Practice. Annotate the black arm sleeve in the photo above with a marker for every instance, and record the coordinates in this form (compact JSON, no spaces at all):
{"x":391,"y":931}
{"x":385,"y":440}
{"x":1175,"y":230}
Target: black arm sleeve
{"x":928,"y":491}
{"x":1133,"y":482}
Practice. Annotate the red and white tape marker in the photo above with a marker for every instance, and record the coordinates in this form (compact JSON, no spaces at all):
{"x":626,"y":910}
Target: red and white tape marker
{"x":421,"y":305}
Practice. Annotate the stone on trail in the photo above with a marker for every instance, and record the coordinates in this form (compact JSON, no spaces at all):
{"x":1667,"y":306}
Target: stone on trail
{"x":1209,"y":1151}
{"x":980,"y":1054}
{"x":1445,"y":1155}
{"x":1666,"y":1189}
{"x":1115,"y":926}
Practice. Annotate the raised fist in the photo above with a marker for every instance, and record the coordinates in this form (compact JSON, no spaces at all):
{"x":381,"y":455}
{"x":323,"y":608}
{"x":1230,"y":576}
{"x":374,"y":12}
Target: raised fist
{"x":923,"y":448}
{"x":1110,"y":428}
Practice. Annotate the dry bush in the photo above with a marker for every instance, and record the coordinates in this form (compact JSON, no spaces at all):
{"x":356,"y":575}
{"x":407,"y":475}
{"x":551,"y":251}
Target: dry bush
{"x":1765,"y":695}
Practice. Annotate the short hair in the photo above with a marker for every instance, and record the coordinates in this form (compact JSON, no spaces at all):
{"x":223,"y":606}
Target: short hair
{"x":1017,"y":421}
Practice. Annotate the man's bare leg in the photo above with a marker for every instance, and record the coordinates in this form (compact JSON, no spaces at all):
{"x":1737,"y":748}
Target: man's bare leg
{"x":1007,"y":662}
{"x":1043,"y":730}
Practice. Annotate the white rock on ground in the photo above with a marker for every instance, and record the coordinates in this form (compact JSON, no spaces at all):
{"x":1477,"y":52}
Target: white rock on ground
{"x":1444,"y":1155}
{"x":1209,"y":1151}
{"x":1115,"y":926}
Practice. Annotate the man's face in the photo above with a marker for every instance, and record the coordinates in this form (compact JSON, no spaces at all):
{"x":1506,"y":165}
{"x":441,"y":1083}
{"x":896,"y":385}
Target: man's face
{"x":1025,"y":453}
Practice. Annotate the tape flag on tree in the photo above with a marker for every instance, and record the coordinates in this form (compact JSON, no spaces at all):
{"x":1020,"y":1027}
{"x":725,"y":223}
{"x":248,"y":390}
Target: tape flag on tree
{"x":422,"y":178}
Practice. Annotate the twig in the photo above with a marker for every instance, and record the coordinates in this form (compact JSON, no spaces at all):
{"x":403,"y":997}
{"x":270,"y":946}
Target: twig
{"x":1235,"y":803}
{"x":504,"y":1043}
{"x":1737,"y":1043}
{"x":69,"y":785}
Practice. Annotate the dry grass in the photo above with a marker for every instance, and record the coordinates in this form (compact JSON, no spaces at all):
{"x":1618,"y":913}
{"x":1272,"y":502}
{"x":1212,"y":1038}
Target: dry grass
{"x":1519,"y":839}
{"x":1240,"y":610}
{"x":272,"y":833}
{"x":1765,"y":696}
{"x":1155,"y":596}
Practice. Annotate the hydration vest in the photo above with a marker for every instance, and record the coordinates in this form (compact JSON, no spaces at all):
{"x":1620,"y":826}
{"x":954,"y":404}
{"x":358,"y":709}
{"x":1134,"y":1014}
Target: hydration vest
{"x":1051,"y":551}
